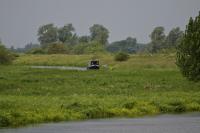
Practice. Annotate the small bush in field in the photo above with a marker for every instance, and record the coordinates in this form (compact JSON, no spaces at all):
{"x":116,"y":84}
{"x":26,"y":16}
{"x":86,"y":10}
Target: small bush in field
{"x":121,"y":56}
{"x":5,"y":56}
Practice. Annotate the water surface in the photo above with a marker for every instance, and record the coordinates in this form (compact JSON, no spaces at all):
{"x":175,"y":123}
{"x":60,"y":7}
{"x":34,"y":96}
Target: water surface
{"x":187,"y":123}
{"x":61,"y":67}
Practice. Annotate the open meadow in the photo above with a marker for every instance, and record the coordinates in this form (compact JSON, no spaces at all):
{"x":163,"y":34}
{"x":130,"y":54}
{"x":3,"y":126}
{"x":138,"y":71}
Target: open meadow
{"x":143,"y":85}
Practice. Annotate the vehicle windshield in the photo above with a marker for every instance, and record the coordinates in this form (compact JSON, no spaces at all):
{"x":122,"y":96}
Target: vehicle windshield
{"x":94,"y":62}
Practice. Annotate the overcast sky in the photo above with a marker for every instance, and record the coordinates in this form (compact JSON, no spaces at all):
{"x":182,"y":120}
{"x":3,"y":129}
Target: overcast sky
{"x":20,"y":19}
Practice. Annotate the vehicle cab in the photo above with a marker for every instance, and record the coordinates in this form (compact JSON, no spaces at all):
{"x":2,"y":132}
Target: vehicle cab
{"x":93,"y":64}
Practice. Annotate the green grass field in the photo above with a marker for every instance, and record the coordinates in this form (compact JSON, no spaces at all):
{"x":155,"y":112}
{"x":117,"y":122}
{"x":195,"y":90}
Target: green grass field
{"x":143,"y":85}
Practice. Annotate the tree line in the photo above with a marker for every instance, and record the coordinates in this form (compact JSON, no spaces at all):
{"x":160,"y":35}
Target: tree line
{"x":50,"y":34}
{"x":161,"y":41}
{"x":64,"y":40}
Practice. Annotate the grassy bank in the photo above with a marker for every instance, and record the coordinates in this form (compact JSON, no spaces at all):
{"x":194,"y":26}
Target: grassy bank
{"x":144,"y":85}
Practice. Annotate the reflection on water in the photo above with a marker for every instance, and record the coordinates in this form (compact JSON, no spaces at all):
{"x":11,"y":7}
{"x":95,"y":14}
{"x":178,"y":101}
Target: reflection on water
{"x":61,"y":68}
{"x":187,"y":123}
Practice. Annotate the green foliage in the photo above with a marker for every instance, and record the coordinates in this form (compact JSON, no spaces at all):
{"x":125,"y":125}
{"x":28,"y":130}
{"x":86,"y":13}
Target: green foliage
{"x":160,"y":42}
{"x":121,"y":56}
{"x":57,"y":48}
{"x":88,"y":48}
{"x":173,"y":38}
{"x":5,"y":56}
{"x":4,"y":121}
{"x":188,"y":52}
{"x":47,"y":34}
{"x":143,"y":85}
{"x":73,"y":40}
{"x":96,"y":42}
{"x":37,"y":51}
{"x":129,"y":45}
{"x":84,"y":39}
{"x":27,"y":48}
{"x":157,"y":40}
{"x":30,"y":46}
{"x":65,"y":33}
{"x":99,"y":33}
{"x":79,"y":49}
{"x":94,"y":47}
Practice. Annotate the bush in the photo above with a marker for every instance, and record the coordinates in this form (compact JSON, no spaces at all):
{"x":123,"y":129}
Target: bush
{"x":121,"y":56}
{"x":94,"y":47}
{"x":57,"y":48}
{"x":4,"y":121}
{"x":37,"y":51}
{"x":5,"y":56}
{"x":188,"y":52}
{"x":79,"y":49}
{"x":88,"y":48}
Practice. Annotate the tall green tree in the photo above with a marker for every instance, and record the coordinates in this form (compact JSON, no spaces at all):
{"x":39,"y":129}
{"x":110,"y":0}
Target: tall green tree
{"x":65,"y":33}
{"x":188,"y":51}
{"x":157,"y":39}
{"x":47,"y":34}
{"x":174,"y":37}
{"x":99,"y":33}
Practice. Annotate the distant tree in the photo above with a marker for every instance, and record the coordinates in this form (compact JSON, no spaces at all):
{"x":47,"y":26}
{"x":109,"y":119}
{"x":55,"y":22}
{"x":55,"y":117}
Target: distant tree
{"x":99,"y":33}
{"x":188,"y":51}
{"x":174,"y":37}
{"x":30,"y":46}
{"x":128,"y":46}
{"x":84,"y":39}
{"x":65,"y":33}
{"x":157,"y":39}
{"x":73,"y":40}
{"x":12,"y":48}
{"x":47,"y":34}
{"x":19,"y":50}
{"x":131,"y":40}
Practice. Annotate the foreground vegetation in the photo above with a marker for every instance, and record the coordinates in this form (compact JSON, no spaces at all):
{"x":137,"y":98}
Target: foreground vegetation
{"x":143,"y":85}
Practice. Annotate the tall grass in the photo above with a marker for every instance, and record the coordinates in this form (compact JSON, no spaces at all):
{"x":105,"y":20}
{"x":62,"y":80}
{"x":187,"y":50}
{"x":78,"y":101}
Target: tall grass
{"x":143,"y":85}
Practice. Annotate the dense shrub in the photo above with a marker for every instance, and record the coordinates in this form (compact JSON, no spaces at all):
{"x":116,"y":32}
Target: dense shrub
{"x":79,"y":49}
{"x":5,"y":56}
{"x":37,"y":51}
{"x":188,"y":52}
{"x":4,"y":121}
{"x":94,"y":47}
{"x":121,"y":56}
{"x":57,"y":48}
{"x":88,"y":48}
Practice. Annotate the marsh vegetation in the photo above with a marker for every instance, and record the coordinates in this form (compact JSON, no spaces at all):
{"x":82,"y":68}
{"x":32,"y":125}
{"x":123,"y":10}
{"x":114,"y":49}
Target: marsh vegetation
{"x":143,"y":85}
